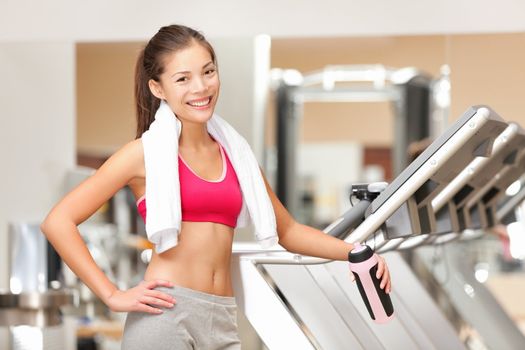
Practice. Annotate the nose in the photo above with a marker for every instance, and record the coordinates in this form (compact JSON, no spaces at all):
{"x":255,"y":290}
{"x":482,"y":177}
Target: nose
{"x":198,"y":85}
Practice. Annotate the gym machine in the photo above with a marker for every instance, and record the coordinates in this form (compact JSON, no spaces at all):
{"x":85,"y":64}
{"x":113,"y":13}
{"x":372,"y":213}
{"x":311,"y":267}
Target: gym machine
{"x":295,"y":301}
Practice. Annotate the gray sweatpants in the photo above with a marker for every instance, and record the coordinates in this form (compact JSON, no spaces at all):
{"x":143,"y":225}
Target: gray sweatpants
{"x":197,"y":321}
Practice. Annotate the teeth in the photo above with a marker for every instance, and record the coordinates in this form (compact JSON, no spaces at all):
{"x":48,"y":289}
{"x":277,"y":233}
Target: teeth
{"x":199,"y":103}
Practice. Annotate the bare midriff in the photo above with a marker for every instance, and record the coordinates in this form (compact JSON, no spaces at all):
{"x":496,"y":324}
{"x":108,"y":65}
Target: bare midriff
{"x":200,"y":261}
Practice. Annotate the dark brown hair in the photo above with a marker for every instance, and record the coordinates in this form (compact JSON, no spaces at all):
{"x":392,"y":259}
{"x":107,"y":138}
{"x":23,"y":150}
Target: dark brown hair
{"x":150,"y":65}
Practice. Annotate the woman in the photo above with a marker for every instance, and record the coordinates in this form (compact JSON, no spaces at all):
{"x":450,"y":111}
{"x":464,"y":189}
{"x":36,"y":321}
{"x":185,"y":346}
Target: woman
{"x":186,"y":298}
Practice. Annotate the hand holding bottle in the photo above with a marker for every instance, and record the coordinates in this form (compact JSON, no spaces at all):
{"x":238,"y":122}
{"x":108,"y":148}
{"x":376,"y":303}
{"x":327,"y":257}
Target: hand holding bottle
{"x":368,"y":268}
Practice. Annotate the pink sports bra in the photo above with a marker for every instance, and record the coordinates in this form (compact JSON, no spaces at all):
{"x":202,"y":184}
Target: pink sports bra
{"x":203,"y":200}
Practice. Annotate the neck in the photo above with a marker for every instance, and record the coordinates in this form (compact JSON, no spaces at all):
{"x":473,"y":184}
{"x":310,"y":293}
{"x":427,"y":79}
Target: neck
{"x":194,"y":136}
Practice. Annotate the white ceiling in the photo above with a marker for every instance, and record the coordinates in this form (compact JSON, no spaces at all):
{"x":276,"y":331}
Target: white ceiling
{"x":121,"y":20}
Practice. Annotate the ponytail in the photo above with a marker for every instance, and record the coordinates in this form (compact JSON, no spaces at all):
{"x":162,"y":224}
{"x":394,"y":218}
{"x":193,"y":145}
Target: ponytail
{"x":146,"y":103}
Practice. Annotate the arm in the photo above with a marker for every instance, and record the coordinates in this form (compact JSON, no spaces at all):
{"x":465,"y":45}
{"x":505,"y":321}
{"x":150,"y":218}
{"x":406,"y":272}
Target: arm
{"x":302,"y":239}
{"x":60,"y":225}
{"x":306,"y":240}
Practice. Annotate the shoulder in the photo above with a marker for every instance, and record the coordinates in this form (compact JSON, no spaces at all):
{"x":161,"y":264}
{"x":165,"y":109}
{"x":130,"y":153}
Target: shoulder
{"x":129,"y":159}
{"x":133,"y":149}
{"x":132,"y":152}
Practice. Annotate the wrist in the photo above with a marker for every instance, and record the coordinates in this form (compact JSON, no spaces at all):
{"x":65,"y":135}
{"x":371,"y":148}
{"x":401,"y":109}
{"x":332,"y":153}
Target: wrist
{"x":106,"y":298}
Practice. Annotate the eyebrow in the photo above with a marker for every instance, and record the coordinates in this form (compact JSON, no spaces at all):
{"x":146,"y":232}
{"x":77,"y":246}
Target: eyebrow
{"x":185,"y":72}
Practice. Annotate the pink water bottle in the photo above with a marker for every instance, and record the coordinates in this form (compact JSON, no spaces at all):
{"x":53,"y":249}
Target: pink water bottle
{"x":363,"y":263}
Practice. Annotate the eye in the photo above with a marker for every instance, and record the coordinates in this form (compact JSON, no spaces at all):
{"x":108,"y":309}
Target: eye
{"x":181,"y":79}
{"x":210,"y":71}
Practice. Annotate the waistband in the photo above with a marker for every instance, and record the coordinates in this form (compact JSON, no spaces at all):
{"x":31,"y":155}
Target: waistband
{"x":196,"y":294}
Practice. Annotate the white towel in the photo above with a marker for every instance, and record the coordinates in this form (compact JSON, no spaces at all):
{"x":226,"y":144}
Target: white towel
{"x":161,"y":149}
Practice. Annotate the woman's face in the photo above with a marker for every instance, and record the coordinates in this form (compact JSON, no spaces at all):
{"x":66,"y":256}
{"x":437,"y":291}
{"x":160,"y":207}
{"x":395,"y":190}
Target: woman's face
{"x":190,"y":84}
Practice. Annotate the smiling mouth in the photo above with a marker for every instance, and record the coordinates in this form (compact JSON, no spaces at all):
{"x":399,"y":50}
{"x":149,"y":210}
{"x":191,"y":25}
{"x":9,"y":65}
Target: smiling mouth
{"x":200,"y":103}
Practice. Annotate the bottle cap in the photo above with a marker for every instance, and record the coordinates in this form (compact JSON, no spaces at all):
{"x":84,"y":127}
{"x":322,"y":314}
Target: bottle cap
{"x":358,"y":247}
{"x":360,"y":253}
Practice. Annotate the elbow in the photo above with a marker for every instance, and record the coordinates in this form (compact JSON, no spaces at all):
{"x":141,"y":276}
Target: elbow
{"x":281,"y":240}
{"x":287,"y":245}
{"x":44,"y":226}
{"x":55,"y":222}
{"x":286,"y":236}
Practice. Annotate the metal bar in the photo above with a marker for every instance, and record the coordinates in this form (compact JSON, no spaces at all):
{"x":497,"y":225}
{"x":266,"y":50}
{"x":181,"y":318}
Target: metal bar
{"x":420,"y":176}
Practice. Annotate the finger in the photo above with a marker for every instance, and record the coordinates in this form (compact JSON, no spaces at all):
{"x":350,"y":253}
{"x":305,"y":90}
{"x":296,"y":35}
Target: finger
{"x":385,"y":279}
{"x":148,"y":309}
{"x":380,"y":267}
{"x":154,"y":283}
{"x":386,"y":276}
{"x":388,"y":287}
{"x":159,"y":295}
{"x":164,"y":283}
{"x":155,"y":301}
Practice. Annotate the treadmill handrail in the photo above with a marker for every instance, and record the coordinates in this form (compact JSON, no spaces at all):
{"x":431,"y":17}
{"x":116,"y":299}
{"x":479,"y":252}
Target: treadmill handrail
{"x":470,"y":171}
{"x":427,"y":154}
{"x":422,"y":169}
